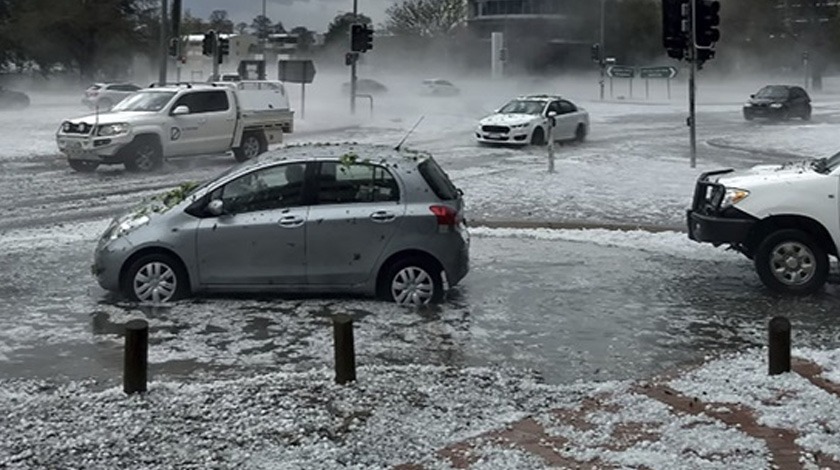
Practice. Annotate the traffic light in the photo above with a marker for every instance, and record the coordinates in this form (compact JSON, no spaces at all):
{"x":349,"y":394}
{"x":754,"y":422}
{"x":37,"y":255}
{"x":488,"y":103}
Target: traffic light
{"x":173,"y":47}
{"x":706,"y":21}
{"x":675,"y":27}
{"x":596,"y":52}
{"x":224,"y":46}
{"x":361,"y":37}
{"x":703,"y":55}
{"x":350,"y":58}
{"x":209,"y":42}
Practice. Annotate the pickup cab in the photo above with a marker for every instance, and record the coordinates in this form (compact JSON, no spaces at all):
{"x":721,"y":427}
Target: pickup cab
{"x":179,"y":120}
{"x":786,"y":218}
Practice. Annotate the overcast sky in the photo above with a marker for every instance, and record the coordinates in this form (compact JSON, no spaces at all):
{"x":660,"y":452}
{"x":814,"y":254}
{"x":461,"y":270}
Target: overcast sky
{"x":314,"y":14}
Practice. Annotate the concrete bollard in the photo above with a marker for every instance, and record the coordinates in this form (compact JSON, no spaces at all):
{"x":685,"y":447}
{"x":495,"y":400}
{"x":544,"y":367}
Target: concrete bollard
{"x":779,"y":346}
{"x":345,"y":355}
{"x":136,"y":359}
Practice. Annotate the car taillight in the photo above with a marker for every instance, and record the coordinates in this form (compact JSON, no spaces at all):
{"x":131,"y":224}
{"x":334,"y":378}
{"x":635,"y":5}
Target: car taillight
{"x":446,"y":216}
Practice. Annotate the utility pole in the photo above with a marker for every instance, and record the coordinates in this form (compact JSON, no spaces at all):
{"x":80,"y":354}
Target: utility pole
{"x":164,"y":42}
{"x":353,"y":65}
{"x":692,"y":61}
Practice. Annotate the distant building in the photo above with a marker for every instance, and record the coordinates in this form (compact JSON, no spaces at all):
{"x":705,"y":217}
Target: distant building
{"x":538,"y":34}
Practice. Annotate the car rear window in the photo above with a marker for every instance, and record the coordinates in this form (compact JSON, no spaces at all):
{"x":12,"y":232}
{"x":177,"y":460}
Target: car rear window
{"x":437,"y":180}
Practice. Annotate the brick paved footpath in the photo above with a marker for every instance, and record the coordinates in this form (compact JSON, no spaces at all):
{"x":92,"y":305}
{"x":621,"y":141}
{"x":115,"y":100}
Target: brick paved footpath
{"x":530,"y":436}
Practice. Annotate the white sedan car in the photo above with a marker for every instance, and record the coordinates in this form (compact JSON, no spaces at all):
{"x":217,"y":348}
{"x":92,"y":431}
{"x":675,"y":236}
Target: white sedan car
{"x":525,"y":120}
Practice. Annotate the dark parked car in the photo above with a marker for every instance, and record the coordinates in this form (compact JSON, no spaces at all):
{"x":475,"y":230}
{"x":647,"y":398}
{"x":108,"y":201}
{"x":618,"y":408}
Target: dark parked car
{"x":13,"y":99}
{"x":778,"y":102}
{"x":365,"y":86}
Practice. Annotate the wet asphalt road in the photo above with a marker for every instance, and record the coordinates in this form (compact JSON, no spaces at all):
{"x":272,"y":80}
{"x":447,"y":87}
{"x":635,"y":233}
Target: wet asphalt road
{"x":571,"y":310}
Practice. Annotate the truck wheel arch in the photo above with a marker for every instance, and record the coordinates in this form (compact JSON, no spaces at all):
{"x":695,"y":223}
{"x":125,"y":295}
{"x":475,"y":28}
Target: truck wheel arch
{"x":771,"y":224}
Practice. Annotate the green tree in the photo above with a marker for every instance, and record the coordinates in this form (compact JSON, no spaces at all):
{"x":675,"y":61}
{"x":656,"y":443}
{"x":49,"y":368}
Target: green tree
{"x":261,"y":26}
{"x":426,"y":18}
{"x":84,"y":35}
{"x":305,"y":37}
{"x":193,"y":25}
{"x":338,"y":32}
{"x":219,"y":22}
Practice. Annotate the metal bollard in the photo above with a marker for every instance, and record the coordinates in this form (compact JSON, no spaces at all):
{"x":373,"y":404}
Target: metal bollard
{"x":345,"y":355}
{"x":136,"y":359}
{"x":779,"y":346}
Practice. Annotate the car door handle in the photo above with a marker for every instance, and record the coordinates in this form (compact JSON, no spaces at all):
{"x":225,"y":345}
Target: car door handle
{"x":382,"y":216}
{"x":291,"y":221}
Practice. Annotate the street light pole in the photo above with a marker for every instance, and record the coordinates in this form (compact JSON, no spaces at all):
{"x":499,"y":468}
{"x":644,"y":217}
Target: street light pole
{"x":164,"y":42}
{"x":353,"y":65}
{"x":603,"y":48}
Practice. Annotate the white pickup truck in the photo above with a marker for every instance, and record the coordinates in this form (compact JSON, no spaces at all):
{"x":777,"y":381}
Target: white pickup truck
{"x":786,"y":218}
{"x":179,"y":120}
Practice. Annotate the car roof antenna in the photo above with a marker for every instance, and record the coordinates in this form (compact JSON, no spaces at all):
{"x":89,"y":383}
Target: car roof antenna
{"x":409,"y":133}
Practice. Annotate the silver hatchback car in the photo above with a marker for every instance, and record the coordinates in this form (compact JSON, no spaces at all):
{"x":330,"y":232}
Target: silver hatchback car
{"x":338,"y":218}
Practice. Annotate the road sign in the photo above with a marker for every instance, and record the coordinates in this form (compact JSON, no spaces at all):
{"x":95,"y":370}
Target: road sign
{"x":620,"y":71}
{"x":658,"y":72}
{"x":295,"y":71}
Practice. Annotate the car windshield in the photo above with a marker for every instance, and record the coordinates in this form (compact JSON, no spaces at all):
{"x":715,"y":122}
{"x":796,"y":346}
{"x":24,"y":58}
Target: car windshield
{"x":523,"y":107}
{"x":145,"y":101}
{"x":772,"y":92}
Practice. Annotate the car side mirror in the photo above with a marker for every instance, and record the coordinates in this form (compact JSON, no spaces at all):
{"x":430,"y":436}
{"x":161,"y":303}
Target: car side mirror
{"x":216,"y":207}
{"x":181,"y":109}
{"x":551,"y":118}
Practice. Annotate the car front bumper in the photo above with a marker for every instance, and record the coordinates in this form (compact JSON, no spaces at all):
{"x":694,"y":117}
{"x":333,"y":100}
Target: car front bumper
{"x":108,"y":260}
{"x":514,"y":136}
{"x":85,"y":147}
{"x":718,"y":229}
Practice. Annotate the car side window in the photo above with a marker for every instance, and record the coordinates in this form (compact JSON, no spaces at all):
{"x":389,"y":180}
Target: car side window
{"x":340,"y":183}
{"x":567,"y":107}
{"x":204,"y":101}
{"x":276,"y":187}
{"x":554,"y":106}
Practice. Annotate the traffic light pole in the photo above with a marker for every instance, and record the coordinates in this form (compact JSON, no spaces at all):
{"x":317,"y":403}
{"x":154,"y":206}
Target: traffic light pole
{"x":692,"y":61}
{"x":602,"y":49}
{"x":353,"y":66}
{"x":216,"y":56}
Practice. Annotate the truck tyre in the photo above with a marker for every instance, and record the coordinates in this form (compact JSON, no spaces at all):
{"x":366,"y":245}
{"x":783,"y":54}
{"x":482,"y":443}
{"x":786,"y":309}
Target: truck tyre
{"x":143,"y":155}
{"x":252,"y":145}
{"x":790,"y":261}
{"x":83,"y":166}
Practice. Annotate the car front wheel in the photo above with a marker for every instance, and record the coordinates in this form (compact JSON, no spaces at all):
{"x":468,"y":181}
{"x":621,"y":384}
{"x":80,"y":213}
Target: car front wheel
{"x":156,"y":278}
{"x":538,"y":137}
{"x":413,"y":282}
{"x":143,"y":155}
{"x":790,"y":261}
{"x":250,"y":147}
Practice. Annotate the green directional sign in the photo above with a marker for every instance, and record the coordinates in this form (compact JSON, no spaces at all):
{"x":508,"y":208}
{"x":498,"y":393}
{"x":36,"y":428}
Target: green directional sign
{"x":658,"y":72}
{"x":621,"y":71}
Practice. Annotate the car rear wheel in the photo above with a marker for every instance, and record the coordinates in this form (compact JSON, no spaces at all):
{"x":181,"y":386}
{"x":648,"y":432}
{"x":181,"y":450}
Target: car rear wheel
{"x":790,"y":261}
{"x":413,"y":282}
{"x":251,"y":147}
{"x":157,"y":278}
{"x":83,"y":166}
{"x":538,"y":137}
{"x":143,"y":155}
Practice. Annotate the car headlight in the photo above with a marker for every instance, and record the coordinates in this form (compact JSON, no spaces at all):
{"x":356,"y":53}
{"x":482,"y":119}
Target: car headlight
{"x":113,"y":129}
{"x":748,"y":104}
{"x":733,"y":196}
{"x":123,"y":227}
{"x":519,"y":126}
{"x":776,"y":105}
